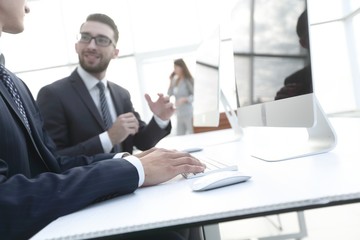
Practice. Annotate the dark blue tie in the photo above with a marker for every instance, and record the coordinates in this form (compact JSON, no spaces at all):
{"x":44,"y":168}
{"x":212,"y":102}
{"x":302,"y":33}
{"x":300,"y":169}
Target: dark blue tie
{"x":104,"y":106}
{"x":9,"y":83}
{"x":105,"y":112}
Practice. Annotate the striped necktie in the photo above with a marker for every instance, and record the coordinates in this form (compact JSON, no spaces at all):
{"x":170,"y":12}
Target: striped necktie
{"x":14,"y":92}
{"x":104,"y":106}
{"x":105,"y":112}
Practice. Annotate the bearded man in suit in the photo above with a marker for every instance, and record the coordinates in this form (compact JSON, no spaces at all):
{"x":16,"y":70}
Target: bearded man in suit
{"x":72,"y":107}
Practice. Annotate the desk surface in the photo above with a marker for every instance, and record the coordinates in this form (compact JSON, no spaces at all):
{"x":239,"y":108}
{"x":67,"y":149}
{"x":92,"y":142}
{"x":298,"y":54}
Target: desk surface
{"x":320,"y":180}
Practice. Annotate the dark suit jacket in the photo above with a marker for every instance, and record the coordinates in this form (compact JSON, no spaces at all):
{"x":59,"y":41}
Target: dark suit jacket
{"x":74,"y":122}
{"x":36,"y":186}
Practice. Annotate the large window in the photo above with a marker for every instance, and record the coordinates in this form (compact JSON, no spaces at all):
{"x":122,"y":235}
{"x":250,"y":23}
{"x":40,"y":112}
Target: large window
{"x":151,"y":37}
{"x":335,"y":42}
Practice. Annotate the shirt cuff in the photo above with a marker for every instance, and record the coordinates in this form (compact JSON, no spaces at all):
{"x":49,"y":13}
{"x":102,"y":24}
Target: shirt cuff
{"x":137,"y":164}
{"x":162,"y":123}
{"x":105,"y":142}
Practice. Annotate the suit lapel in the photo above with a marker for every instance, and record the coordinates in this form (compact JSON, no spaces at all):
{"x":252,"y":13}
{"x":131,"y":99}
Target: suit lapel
{"x":7,"y":97}
{"x":118,"y":104}
{"x":31,"y":111}
{"x":80,"y":88}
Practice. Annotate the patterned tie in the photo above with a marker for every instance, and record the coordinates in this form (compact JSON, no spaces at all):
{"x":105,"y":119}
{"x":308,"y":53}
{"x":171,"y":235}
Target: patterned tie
{"x":104,"y":106}
{"x":2,"y":59}
{"x":9,"y":83}
{"x":105,"y":112}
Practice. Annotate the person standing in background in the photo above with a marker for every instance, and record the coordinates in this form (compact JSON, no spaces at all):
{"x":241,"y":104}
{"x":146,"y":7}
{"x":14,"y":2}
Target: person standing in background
{"x":182,"y":87}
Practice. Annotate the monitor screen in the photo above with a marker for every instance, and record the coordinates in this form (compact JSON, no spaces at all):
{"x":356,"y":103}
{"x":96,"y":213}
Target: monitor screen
{"x":271,"y":57}
{"x":206,"y":82}
{"x":272,"y":63}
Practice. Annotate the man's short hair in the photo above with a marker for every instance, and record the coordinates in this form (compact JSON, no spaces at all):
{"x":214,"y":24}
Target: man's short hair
{"x":103,"y":18}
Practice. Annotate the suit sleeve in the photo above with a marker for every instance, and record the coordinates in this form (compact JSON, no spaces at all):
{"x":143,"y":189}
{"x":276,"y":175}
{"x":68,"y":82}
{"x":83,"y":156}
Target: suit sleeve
{"x":148,"y":135}
{"x":55,"y":122}
{"x":28,"y":205}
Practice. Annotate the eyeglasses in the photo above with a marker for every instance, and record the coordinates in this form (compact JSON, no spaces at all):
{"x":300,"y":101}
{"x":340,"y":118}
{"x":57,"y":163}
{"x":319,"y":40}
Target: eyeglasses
{"x":101,"y":41}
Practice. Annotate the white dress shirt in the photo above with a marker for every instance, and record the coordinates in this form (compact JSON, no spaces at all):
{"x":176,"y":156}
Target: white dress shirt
{"x":90,"y":83}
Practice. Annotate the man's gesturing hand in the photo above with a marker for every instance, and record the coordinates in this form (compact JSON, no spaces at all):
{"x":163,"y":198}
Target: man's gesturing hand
{"x":162,"y":107}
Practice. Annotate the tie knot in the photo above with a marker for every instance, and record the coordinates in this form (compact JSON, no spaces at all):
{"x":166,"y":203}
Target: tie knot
{"x":2,"y":69}
{"x":101,"y":85}
{"x":5,"y":77}
{"x":2,"y":59}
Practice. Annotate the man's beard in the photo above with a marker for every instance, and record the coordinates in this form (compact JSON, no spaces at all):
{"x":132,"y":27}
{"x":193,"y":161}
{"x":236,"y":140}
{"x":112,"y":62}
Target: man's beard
{"x":102,"y":66}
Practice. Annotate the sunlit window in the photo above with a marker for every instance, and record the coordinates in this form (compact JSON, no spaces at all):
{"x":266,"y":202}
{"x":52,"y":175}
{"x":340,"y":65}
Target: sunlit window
{"x":152,"y":36}
{"x":335,"y":54}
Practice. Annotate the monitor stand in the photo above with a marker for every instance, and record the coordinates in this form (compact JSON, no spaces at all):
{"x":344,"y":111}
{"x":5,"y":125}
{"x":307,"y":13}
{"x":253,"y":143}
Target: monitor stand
{"x":321,"y":138}
{"x":231,"y":116}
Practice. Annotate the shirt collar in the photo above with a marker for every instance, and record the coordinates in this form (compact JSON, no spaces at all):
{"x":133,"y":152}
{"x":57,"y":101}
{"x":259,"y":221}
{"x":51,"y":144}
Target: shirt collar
{"x":89,"y":80}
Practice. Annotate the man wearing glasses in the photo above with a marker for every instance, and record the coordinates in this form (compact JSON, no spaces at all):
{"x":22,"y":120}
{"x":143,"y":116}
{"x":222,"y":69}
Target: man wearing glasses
{"x":36,"y":185}
{"x":87,"y":114}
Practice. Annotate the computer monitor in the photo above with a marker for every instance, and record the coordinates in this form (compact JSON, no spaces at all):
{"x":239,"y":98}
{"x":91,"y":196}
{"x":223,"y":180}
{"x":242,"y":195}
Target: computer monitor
{"x":206,"y":83}
{"x":272,"y":61}
{"x":214,"y":61}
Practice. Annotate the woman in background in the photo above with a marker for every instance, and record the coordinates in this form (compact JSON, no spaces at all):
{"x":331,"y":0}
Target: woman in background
{"x":182,"y":87}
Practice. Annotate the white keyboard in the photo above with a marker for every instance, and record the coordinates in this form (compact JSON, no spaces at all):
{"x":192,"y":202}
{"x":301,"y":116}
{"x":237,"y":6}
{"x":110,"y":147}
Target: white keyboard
{"x":212,"y":165}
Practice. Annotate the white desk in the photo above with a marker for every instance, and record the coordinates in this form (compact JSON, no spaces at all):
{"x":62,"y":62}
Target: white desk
{"x":304,"y":183}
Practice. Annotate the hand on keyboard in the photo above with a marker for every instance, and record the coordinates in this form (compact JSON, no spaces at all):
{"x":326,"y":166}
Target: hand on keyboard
{"x":212,"y":165}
